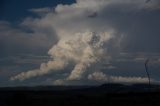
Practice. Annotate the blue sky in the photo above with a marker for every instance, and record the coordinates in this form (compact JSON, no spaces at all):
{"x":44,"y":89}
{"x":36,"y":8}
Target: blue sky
{"x":82,"y":42}
{"x":16,"y":10}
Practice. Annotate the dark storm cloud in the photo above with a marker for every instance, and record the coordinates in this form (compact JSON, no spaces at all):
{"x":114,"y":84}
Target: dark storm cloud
{"x":139,"y":27}
{"x":135,"y":37}
{"x":15,"y":41}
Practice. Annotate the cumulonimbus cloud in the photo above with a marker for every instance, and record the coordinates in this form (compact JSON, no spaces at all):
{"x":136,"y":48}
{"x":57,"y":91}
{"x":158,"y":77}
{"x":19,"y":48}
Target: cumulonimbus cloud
{"x":84,"y":50}
{"x":83,"y":37}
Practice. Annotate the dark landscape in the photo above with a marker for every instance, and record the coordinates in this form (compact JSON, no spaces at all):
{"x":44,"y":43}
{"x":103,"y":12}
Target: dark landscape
{"x":106,"y":94}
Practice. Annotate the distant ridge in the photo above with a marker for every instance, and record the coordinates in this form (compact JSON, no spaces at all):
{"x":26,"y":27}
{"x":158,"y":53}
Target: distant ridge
{"x":108,"y":87}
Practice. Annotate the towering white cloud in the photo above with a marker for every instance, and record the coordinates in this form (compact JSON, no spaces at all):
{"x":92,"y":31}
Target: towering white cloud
{"x":85,"y":35}
{"x":84,"y":50}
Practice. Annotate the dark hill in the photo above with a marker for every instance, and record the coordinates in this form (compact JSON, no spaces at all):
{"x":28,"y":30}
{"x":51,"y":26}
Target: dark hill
{"x":106,"y":94}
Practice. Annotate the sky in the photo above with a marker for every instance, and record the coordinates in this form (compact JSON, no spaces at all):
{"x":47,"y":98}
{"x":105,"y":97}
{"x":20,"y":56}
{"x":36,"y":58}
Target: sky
{"x":78,"y":42}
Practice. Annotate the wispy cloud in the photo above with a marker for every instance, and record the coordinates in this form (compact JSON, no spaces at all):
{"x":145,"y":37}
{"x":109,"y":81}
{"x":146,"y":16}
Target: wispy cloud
{"x":101,"y":77}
